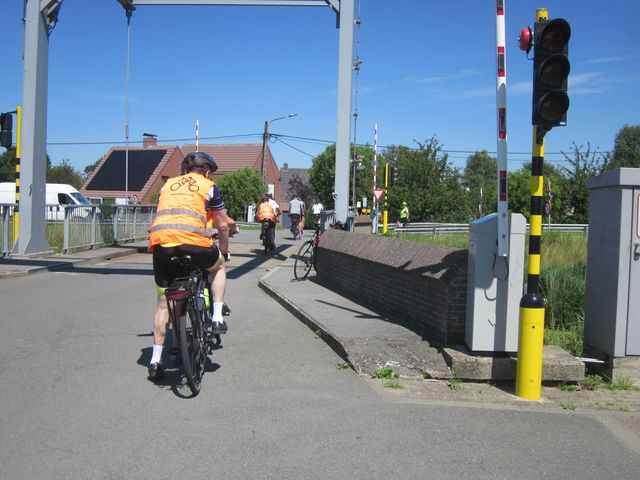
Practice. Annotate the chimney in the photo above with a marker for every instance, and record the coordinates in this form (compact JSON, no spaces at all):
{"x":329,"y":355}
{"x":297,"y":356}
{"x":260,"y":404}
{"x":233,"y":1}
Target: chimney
{"x":149,"y":140}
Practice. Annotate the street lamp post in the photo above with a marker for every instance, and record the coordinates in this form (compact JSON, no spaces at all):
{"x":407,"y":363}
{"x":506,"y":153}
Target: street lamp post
{"x":265,"y":138}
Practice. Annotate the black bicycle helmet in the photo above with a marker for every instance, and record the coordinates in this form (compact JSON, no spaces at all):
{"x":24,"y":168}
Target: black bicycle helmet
{"x":199,"y":159}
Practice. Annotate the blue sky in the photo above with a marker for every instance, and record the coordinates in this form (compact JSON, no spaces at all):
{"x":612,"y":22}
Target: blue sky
{"x":428,"y":68}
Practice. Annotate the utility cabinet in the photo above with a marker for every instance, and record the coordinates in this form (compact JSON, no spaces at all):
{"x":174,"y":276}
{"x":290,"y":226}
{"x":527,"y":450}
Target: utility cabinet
{"x":612,"y":302}
{"x":494,"y":285}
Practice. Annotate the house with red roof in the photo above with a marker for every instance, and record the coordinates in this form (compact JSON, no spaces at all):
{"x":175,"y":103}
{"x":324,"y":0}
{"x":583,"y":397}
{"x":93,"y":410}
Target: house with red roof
{"x":152,"y":164}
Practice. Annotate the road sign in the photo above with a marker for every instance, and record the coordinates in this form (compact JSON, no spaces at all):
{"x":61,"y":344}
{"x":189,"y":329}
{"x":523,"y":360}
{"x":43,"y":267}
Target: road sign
{"x":377,"y":193}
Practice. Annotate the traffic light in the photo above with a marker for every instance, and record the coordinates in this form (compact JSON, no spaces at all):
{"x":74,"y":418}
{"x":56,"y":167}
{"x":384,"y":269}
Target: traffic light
{"x":551,"y":72}
{"x":6,"y":127}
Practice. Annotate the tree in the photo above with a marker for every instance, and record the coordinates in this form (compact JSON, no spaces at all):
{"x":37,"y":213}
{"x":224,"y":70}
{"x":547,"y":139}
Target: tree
{"x":298,"y":187}
{"x":431,"y":187}
{"x":240,"y":189}
{"x":519,"y":185}
{"x":88,"y":170}
{"x":481,"y":172}
{"x":626,"y":150}
{"x":584,"y":165}
{"x":64,"y":173}
{"x":322,"y":176}
{"x":8,"y":166}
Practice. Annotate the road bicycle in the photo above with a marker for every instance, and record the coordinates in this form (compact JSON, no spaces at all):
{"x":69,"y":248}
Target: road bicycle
{"x":306,"y":258}
{"x":268,"y":236}
{"x":295,"y":226}
{"x":189,"y":318}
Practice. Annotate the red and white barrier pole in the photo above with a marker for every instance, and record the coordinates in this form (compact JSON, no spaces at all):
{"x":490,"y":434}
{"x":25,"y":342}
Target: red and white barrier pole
{"x":501,"y":110}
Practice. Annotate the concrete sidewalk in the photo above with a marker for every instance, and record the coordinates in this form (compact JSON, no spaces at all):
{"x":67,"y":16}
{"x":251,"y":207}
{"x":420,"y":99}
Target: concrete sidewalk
{"x":18,"y":266}
{"x":369,"y":339}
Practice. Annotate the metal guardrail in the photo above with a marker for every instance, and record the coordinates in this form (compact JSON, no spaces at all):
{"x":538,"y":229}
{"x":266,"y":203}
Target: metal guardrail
{"x":439,"y":228}
{"x":82,"y":227}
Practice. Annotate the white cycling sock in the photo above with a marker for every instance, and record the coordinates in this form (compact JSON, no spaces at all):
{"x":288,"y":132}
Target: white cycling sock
{"x":157,"y":353}
{"x":217,"y":311}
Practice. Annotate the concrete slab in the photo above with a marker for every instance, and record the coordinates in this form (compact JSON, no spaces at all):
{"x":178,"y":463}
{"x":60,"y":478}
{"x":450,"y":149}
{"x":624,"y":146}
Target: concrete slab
{"x":557,"y":365}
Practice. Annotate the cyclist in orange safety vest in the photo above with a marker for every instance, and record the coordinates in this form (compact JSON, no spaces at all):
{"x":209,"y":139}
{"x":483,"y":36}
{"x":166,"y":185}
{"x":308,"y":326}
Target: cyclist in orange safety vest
{"x":266,"y":212}
{"x":180,"y":227}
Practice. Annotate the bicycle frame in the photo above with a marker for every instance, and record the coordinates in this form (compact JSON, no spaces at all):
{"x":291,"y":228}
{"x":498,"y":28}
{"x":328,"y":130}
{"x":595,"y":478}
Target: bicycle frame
{"x":185,"y":297}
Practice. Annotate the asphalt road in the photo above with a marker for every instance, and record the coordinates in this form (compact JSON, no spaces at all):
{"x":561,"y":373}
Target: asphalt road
{"x":75,"y":402}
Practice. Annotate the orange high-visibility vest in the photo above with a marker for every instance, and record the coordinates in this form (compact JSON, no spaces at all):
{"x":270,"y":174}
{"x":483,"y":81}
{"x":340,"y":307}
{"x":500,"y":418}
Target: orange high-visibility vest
{"x":182,"y":217}
{"x":265,"y":212}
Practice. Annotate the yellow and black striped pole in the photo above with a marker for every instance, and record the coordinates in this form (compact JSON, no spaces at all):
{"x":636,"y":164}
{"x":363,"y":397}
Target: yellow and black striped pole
{"x":532,"y":311}
{"x":16,"y":212}
{"x":385,"y":213}
{"x":531,"y":331}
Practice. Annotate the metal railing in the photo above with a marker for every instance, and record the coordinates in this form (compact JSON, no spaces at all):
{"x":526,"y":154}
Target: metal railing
{"x":439,"y":228}
{"x":82,"y":227}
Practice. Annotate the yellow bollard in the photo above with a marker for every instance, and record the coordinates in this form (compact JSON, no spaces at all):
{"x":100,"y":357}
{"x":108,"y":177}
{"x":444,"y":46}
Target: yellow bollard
{"x":530,"y":348}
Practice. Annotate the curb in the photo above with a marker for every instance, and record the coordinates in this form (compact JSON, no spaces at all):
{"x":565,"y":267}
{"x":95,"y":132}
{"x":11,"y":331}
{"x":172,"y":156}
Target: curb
{"x":68,"y":263}
{"x":326,"y":335}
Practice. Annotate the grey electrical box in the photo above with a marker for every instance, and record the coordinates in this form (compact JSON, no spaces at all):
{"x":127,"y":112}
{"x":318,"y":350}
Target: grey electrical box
{"x":494,"y":285}
{"x":612,"y":301}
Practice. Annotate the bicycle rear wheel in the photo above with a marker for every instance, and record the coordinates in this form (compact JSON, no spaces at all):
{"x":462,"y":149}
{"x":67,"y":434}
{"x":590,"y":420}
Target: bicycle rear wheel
{"x":192,"y":348}
{"x":304,"y":261}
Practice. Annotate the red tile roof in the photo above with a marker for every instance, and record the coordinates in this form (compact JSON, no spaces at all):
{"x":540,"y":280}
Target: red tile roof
{"x":232,"y":157}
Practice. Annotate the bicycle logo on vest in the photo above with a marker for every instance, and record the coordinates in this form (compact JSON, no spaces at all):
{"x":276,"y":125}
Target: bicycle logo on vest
{"x":185,"y":181}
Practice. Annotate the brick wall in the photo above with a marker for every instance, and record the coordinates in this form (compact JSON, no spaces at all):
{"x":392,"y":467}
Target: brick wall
{"x":423,"y":287}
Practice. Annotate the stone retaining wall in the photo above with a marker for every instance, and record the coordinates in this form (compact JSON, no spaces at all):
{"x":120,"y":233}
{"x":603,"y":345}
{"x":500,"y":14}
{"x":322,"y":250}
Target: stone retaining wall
{"x":423,"y":287}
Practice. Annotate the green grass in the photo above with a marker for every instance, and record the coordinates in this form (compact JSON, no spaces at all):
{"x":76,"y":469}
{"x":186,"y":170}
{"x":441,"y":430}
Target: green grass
{"x":342,"y":366}
{"x":455,"y":384}
{"x":384,"y":372}
{"x":591,"y":382}
{"x":568,"y":406}
{"x":621,"y":384}
{"x":393,"y":384}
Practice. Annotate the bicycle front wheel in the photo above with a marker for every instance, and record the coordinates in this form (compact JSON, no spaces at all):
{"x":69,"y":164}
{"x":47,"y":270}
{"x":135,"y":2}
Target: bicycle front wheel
{"x":304,"y":261}
{"x":192,"y":348}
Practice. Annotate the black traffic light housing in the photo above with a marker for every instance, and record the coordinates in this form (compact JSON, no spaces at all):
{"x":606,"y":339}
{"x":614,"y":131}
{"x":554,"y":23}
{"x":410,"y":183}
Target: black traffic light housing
{"x":6,"y":127}
{"x":551,"y":73}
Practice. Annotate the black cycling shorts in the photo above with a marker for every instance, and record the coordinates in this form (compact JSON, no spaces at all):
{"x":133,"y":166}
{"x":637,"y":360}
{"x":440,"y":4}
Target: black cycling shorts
{"x":165,"y":271}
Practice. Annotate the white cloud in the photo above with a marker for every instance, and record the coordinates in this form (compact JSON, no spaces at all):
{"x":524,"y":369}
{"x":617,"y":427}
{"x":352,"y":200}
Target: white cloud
{"x":613,"y":58}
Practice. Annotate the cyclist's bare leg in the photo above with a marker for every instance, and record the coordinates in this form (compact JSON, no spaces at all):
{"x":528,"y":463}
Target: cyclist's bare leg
{"x":160,"y":321}
{"x":218,"y":280}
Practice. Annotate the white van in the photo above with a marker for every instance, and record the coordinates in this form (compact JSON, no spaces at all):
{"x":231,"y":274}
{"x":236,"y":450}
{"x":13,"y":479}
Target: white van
{"x":56,"y":196}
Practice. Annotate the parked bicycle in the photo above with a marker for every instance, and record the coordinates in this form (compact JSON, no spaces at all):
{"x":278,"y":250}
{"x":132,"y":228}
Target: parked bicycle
{"x":190,"y":318}
{"x":306,"y":258}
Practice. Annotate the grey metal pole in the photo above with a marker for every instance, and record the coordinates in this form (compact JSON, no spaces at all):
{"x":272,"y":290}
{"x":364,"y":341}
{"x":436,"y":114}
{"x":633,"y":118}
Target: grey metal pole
{"x":126,"y":110}
{"x":265,"y":136}
{"x":343,"y":124}
{"x":32,"y":238}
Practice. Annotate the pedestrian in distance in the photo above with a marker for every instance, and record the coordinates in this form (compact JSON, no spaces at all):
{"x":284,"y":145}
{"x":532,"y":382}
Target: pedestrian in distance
{"x":404,"y":215}
{"x":180,"y":228}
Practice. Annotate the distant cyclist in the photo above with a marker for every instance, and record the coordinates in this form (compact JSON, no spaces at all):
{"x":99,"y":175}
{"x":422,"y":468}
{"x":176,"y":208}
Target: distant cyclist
{"x":316,"y":209}
{"x":180,"y":228}
{"x":266,"y":213}
{"x":296,"y":212}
